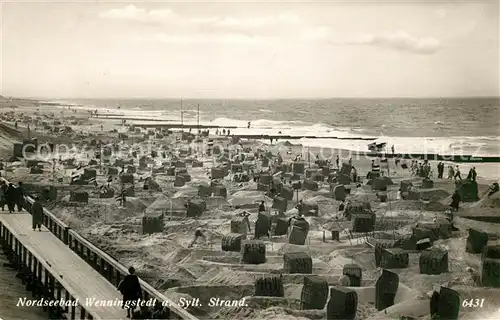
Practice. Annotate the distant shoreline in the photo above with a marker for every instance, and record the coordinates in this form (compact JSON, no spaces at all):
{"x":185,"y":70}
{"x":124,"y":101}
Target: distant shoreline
{"x":251,"y":99}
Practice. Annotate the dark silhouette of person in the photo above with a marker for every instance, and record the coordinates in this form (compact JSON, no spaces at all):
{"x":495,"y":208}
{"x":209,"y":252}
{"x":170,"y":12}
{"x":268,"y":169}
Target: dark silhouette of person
{"x":20,"y":196}
{"x":197,"y":234}
{"x":37,"y":214}
{"x":10,"y":197}
{"x":3,"y":190}
{"x":262,"y":207}
{"x":131,"y":290}
{"x":455,"y":200}
{"x":457,"y":174}
{"x":472,"y":174}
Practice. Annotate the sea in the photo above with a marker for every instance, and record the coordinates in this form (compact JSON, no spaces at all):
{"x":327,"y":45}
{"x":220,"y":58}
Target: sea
{"x":469,"y":126}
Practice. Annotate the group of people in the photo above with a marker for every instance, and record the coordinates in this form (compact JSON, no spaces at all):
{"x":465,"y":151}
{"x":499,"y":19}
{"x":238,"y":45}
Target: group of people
{"x":454,"y":173}
{"x":423,"y":170}
{"x":222,"y":132}
{"x":420,"y":169}
{"x":11,"y":196}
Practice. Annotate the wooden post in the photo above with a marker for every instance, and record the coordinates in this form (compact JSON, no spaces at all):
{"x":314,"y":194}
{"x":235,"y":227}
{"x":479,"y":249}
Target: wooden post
{"x":308,"y":157}
{"x":182,"y":119}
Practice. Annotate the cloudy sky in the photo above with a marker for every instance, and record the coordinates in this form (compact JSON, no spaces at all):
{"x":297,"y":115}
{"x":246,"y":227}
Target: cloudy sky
{"x":249,"y":49}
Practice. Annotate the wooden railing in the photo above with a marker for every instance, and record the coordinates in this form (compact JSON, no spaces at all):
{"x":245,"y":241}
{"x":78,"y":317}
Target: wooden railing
{"x":107,"y":266}
{"x":45,"y":281}
{"x":114,"y":272}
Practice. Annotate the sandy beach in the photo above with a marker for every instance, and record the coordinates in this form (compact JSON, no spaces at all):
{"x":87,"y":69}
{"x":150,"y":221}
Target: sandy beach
{"x":204,"y":271}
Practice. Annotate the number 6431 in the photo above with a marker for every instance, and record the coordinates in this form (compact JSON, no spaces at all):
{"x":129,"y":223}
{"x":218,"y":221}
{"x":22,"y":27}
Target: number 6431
{"x":473,"y":303}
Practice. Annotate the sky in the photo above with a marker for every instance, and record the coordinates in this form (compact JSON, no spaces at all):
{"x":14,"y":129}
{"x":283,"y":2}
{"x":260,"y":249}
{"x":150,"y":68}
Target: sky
{"x":249,"y":50}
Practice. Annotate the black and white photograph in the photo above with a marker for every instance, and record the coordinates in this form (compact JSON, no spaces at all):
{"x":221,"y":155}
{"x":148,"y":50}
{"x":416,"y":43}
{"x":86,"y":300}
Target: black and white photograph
{"x":323,"y":159}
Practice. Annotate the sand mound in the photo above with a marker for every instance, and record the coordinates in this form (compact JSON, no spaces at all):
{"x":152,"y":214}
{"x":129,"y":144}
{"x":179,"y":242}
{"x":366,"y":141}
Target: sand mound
{"x":274,"y":312}
{"x":327,"y":206}
{"x":492,"y":201}
{"x":412,"y":308}
{"x":163,"y":203}
{"x":285,"y":143}
{"x":243,"y":198}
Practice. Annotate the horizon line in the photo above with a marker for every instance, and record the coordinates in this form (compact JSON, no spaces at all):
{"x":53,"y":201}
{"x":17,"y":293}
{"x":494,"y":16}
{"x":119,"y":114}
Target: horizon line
{"x":249,"y":99}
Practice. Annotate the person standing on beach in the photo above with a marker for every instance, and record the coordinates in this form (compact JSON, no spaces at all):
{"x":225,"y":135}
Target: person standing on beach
{"x":392,"y":149}
{"x":354,"y":174}
{"x":337,"y":161}
{"x":37,"y":214}
{"x":472,"y":174}
{"x":130,"y":288}
{"x":262,"y":207}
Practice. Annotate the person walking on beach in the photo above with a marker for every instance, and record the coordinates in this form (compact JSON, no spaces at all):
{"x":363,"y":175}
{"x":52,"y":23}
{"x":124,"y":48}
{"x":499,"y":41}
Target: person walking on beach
{"x":457,"y":174}
{"x":455,"y":200}
{"x":451,"y":172}
{"x":130,"y":288}
{"x":37,"y":214}
{"x":337,"y":161}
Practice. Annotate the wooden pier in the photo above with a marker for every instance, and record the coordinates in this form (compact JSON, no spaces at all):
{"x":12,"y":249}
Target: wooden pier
{"x":61,"y":273}
{"x":63,"y":265}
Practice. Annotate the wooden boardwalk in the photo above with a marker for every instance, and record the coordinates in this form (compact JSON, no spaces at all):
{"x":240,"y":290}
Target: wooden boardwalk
{"x":72,"y":269}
